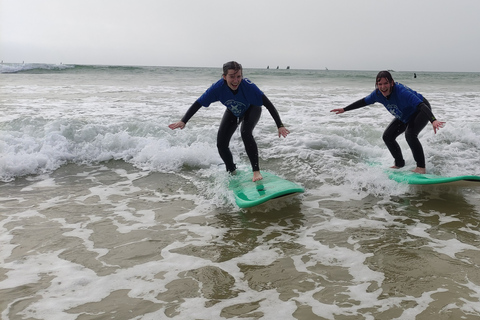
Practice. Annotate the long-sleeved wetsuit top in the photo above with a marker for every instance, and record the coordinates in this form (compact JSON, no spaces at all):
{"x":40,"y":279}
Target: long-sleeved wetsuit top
{"x":402,"y":103}
{"x":237,"y":101}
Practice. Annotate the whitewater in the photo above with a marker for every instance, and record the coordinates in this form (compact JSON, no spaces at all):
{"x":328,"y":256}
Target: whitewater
{"x":107,"y":213}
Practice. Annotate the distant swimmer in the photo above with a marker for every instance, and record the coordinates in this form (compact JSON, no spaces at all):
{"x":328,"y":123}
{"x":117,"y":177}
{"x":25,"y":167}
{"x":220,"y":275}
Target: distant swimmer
{"x":412,"y":112}
{"x":244,"y":101}
{"x":415,"y":75}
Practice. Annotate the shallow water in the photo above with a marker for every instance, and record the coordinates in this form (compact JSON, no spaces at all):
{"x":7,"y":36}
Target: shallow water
{"x":106,"y":213}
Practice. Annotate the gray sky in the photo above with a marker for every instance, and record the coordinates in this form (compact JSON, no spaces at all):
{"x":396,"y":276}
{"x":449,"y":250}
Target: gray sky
{"x":403,"y":35}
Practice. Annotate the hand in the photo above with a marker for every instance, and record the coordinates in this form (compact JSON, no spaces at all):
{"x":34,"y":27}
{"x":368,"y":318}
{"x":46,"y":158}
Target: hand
{"x":338,"y":111}
{"x":437,"y":125}
{"x":283,"y":132}
{"x":179,"y":124}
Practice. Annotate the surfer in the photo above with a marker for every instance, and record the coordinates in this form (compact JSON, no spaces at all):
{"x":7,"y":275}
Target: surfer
{"x":412,"y":112}
{"x":244,"y":101}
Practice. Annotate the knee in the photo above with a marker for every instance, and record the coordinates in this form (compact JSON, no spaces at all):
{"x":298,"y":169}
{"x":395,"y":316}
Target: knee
{"x":387,"y":138}
{"x":411,"y":137}
{"x":246,"y":135}
{"x":222,"y":144}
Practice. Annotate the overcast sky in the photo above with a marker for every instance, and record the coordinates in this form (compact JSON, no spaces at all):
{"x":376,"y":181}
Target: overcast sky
{"x":403,"y":35}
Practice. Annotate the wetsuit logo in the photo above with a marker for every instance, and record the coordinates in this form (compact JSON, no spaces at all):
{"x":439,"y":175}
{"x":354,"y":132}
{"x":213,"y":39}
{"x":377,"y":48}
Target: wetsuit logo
{"x":236,"y":107}
{"x":393,"y":109}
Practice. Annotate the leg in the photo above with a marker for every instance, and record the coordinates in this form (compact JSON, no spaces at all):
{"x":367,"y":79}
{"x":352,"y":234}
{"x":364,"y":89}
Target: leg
{"x":249,"y":122}
{"x":414,"y":126}
{"x":394,"y":129}
{"x":228,"y":125}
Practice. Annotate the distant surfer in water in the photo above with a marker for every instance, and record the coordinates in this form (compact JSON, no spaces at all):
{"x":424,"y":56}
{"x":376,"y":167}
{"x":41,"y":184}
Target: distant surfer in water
{"x":412,"y":112}
{"x":244,"y":101}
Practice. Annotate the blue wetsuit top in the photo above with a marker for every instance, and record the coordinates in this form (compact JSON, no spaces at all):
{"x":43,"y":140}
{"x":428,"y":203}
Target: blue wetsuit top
{"x":237,"y":101}
{"x":247,"y":94}
{"x":402,"y":103}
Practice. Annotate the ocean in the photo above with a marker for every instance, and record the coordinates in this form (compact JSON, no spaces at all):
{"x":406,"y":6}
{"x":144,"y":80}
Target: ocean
{"x":106,"y":213}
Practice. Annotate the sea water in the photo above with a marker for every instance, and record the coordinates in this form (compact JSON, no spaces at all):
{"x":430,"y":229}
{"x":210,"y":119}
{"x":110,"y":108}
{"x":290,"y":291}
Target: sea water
{"x":106,"y":213}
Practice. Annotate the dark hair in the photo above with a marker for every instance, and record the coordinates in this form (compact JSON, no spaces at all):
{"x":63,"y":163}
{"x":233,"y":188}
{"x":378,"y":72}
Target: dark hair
{"x":383,"y":74}
{"x":231,"y":65}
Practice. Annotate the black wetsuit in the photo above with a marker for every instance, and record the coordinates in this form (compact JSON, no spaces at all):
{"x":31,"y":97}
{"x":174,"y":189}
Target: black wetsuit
{"x":230,"y":123}
{"x":412,"y":128}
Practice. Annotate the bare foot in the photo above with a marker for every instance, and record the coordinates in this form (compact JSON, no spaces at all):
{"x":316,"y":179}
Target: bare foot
{"x":257,"y":176}
{"x":420,"y":170}
{"x":394,"y":167}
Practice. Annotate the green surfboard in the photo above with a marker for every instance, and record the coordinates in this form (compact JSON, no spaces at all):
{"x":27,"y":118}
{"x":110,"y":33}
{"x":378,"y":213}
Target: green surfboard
{"x":249,"y":194}
{"x":416,"y":178}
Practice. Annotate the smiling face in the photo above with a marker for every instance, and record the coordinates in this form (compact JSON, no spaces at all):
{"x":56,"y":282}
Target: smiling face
{"x":384,"y":83}
{"x":233,"y":78}
{"x":385,"y":86}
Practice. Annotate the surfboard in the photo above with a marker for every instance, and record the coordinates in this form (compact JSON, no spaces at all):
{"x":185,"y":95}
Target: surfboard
{"x":416,"y":178}
{"x":249,"y":194}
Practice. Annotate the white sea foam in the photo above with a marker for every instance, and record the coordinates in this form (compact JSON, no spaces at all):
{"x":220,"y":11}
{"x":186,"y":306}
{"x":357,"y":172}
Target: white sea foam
{"x":100,"y":198}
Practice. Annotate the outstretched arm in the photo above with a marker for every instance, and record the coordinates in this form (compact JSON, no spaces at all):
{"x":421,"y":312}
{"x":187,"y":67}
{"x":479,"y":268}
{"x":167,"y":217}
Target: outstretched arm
{"x":428,"y":112}
{"x":357,"y":104}
{"x":190,"y":112}
{"x":282,"y":131}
